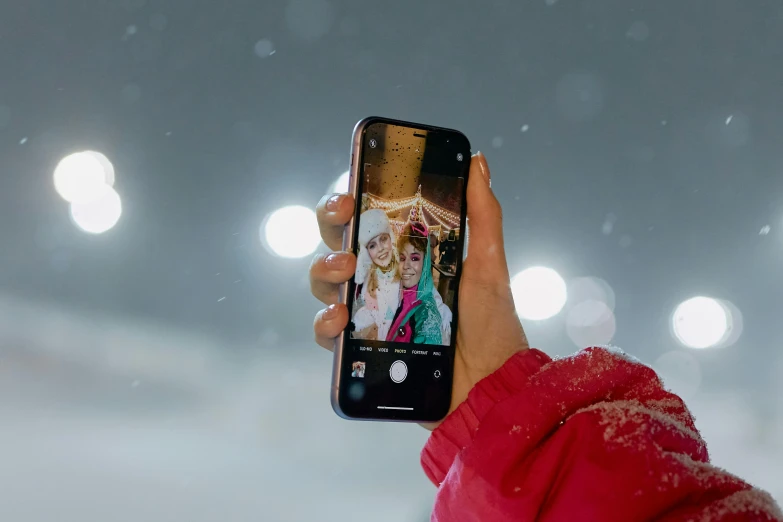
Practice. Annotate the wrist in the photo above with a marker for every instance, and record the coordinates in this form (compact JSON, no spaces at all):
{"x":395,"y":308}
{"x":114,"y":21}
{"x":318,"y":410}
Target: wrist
{"x":458,"y":429}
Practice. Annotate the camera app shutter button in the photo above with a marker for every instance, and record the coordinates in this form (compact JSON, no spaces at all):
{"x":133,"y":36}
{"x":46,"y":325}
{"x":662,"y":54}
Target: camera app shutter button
{"x":398,"y":371}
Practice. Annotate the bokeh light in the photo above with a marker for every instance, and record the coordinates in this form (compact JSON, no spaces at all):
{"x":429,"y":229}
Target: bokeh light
{"x":291,"y":232}
{"x":700,"y":322}
{"x":99,"y":215}
{"x":539,"y":293}
{"x":734,"y":323}
{"x":590,"y":320}
{"x":680,"y":372}
{"x":591,"y":323}
{"x":583,"y":289}
{"x":83,"y":176}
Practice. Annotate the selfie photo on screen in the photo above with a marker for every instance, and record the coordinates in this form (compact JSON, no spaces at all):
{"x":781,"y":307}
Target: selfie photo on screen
{"x":405,"y":272}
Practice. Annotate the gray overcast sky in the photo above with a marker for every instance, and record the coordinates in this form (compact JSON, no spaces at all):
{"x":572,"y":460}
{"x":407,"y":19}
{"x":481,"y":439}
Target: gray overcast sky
{"x":637,"y":142}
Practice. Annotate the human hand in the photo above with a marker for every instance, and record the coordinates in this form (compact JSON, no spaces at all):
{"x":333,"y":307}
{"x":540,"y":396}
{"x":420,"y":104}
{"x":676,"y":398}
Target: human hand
{"x":488,"y":332}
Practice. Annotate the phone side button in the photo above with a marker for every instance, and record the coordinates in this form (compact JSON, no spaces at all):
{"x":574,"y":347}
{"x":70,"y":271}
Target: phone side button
{"x":351,"y":159}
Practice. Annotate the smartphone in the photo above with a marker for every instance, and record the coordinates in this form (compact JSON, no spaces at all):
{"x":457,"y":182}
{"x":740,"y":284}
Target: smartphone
{"x":395,"y":359}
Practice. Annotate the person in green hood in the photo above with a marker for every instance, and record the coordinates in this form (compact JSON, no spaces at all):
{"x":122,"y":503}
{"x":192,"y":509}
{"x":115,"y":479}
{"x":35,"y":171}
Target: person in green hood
{"x":417,"y":319}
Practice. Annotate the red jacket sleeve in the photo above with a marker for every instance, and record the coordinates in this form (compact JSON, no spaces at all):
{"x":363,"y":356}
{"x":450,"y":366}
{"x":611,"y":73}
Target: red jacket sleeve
{"x":592,"y":437}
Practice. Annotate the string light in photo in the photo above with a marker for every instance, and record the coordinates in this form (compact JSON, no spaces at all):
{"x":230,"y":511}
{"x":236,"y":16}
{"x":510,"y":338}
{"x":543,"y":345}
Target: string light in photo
{"x":442,"y":223}
{"x":446,"y":219}
{"x":441,"y":213}
{"x":390,"y":206}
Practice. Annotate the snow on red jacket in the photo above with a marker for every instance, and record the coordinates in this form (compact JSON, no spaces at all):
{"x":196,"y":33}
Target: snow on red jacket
{"x":592,"y":437}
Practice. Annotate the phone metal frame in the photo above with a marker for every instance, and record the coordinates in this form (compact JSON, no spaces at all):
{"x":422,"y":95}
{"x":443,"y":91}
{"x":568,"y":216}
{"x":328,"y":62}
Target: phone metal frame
{"x":348,"y":246}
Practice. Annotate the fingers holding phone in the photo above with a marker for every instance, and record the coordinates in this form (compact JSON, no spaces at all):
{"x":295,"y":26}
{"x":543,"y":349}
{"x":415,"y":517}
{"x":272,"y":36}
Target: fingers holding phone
{"x":334,"y":211}
{"x":327,"y":272}
{"x":329,"y":323}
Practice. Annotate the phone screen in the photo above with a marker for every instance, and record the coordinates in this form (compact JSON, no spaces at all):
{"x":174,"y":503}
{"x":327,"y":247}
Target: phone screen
{"x":398,"y":351}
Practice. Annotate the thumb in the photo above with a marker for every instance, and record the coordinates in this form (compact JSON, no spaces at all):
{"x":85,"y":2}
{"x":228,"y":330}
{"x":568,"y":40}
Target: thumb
{"x":486,"y":252}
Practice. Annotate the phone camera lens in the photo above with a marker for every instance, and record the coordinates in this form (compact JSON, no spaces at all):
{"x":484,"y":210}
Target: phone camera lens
{"x":373,"y":143}
{"x":459,"y":156}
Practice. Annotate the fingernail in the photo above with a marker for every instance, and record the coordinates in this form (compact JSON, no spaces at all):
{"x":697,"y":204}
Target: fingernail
{"x":336,"y":261}
{"x":484,"y":167}
{"x":330,"y":312}
{"x":333,"y":203}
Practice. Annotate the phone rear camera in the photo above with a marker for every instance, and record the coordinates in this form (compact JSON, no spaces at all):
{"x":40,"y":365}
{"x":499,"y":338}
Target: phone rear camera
{"x":459,"y":156}
{"x":373,"y":143}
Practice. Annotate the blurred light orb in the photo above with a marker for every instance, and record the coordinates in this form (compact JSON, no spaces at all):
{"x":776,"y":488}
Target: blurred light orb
{"x":83,"y":176}
{"x":99,"y":215}
{"x":291,"y":232}
{"x":589,"y":288}
{"x":539,"y":293}
{"x":680,"y":372}
{"x":700,"y":322}
{"x":341,"y":185}
{"x":591,"y":323}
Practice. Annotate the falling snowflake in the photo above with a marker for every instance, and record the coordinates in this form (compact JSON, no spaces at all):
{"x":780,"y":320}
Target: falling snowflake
{"x":525,"y":128}
{"x":608,"y":225}
{"x":638,"y":31}
{"x":728,"y":120}
{"x":765,"y":230}
{"x":23,"y":141}
{"x":264,"y":48}
{"x":130,"y":31}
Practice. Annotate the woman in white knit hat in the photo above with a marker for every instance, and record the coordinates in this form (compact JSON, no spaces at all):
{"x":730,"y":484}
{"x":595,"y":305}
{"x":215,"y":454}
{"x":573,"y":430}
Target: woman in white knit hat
{"x":377,"y":277}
